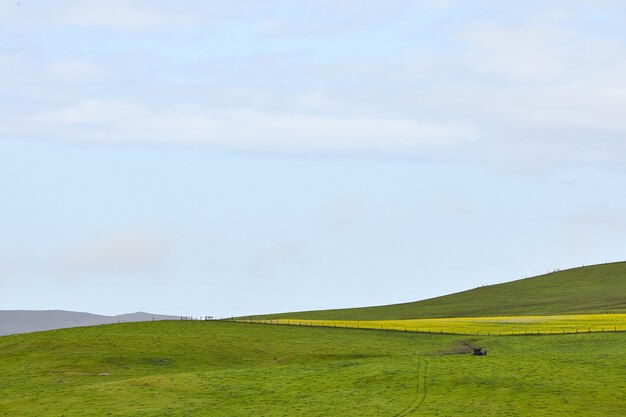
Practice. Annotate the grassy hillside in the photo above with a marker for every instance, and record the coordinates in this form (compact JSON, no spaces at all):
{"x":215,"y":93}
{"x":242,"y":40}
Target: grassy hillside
{"x":586,"y":290}
{"x":233,"y":369}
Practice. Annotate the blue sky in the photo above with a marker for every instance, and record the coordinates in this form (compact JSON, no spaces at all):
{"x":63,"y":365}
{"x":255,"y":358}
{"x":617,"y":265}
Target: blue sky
{"x":243,"y":157}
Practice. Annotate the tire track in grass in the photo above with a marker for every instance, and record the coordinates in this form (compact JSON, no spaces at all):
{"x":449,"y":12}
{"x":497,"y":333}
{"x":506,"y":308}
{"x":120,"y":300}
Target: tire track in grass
{"x":420,"y":389}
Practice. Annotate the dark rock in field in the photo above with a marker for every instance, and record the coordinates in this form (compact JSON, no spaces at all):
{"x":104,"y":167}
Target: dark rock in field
{"x":479,"y":352}
{"x":460,"y":347}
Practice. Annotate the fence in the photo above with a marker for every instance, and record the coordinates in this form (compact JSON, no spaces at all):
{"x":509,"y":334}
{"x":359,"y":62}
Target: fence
{"x":446,"y":331}
{"x":197,"y":318}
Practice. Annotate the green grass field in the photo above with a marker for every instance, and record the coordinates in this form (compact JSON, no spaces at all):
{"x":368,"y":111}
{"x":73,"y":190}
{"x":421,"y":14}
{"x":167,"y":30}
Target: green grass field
{"x":236,"y":369}
{"x":587,"y":290}
{"x":223,"y":368}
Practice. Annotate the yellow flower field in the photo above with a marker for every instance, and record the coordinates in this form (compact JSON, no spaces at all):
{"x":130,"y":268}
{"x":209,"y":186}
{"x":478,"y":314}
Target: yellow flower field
{"x":506,"y":325}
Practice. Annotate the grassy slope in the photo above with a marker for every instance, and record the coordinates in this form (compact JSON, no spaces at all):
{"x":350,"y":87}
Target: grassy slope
{"x":585,"y":290}
{"x":231,"y":369}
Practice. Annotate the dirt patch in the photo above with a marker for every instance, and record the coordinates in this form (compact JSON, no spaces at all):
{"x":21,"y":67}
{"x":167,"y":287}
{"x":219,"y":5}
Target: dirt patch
{"x":460,"y":347}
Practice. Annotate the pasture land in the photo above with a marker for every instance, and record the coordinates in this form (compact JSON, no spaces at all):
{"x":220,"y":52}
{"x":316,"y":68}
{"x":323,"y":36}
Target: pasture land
{"x":592,"y":289}
{"x":194,"y":368}
{"x":486,"y":326}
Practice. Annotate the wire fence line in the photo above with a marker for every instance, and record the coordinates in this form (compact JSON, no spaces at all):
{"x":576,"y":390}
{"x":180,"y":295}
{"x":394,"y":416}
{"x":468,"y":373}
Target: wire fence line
{"x":431,"y":330}
{"x":200,"y":318}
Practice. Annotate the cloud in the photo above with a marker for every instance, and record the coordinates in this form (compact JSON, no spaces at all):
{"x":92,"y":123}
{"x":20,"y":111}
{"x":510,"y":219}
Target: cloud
{"x":133,"y":251}
{"x":543,"y":88}
{"x":74,"y":71}
{"x":5,"y":7}
{"x":242,"y":130}
{"x":272,"y":26}
{"x":8,"y":64}
{"x":121,"y":16}
{"x":114,"y":15}
{"x":518,"y":53}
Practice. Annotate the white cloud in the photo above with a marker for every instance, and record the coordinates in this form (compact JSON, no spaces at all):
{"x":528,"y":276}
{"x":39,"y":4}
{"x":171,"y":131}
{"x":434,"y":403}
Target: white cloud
{"x":74,"y":71}
{"x":518,"y":53}
{"x":272,"y":26}
{"x":125,"y":252}
{"x":528,"y":90}
{"x":315,"y":101}
{"x":5,"y":7}
{"x":437,"y":4}
{"x":7,"y":64}
{"x":538,"y":55}
{"x":115,"y":14}
{"x":111,"y":121}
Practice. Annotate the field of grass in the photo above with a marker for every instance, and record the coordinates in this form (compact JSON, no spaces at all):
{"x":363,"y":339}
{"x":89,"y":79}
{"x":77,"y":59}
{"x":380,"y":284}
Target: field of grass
{"x":503,"y":325}
{"x":188,"y":368}
{"x":587,"y":290}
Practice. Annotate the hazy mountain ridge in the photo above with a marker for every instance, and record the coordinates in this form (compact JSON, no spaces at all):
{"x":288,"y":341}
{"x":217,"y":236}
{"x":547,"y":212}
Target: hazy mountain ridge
{"x":25,"y":321}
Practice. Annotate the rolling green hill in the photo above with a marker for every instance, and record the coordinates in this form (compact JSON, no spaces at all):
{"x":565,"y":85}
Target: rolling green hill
{"x":221,"y":368}
{"x":188,"y":369}
{"x":584,"y":290}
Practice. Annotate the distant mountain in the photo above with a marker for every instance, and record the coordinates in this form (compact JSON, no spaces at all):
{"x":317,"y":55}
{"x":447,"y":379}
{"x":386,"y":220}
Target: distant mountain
{"x":586,"y":290}
{"x":24,"y":321}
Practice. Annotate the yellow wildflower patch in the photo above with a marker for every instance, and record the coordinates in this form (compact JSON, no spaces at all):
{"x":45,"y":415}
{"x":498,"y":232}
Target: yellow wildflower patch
{"x":503,"y":325}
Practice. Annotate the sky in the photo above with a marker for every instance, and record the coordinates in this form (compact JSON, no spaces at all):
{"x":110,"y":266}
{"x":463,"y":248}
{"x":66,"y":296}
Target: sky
{"x":231,"y":158}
